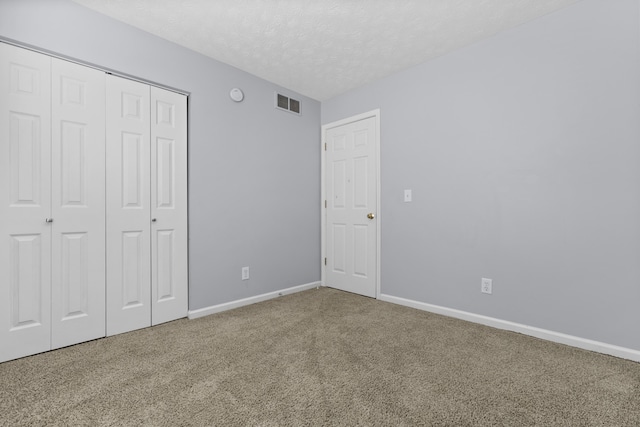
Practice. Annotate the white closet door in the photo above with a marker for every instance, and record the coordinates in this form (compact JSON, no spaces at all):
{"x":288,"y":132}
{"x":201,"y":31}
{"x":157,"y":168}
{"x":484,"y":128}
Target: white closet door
{"x":169,"y":273}
{"x":78,"y":204}
{"x":128,"y":206}
{"x":25,"y":202}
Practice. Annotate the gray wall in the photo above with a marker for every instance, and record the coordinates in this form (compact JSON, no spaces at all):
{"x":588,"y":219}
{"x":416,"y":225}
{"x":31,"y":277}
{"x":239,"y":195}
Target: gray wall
{"x":254,"y":185}
{"x":523,"y":153}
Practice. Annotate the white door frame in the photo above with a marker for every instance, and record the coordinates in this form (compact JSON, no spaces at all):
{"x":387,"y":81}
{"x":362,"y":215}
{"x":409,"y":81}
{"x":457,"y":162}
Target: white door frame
{"x":323,"y":192}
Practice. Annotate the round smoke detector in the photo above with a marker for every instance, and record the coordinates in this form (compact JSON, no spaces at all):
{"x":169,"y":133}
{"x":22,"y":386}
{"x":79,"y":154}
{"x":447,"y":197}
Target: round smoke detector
{"x":236,"y":94}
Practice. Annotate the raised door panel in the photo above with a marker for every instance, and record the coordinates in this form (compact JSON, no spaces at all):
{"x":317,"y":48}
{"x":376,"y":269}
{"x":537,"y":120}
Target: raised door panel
{"x":168,"y":205}
{"x":25,"y":204}
{"x":78,"y":203}
{"x":134,"y":261}
{"x":339,"y":248}
{"x":128,"y":205}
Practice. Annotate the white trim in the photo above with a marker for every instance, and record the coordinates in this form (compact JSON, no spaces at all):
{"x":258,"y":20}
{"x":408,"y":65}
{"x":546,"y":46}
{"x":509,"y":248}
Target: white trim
{"x":585,"y":344}
{"x":323,"y":192}
{"x":201,"y":312}
{"x":323,"y":209}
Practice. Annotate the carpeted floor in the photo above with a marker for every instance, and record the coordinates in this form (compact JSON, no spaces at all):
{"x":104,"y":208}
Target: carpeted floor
{"x":320,"y":357}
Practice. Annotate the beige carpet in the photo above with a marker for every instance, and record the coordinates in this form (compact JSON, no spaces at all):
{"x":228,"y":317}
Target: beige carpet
{"x":320,"y":357}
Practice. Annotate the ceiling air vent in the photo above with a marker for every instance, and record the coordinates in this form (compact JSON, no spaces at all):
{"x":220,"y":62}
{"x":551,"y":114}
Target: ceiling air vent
{"x":287,"y":104}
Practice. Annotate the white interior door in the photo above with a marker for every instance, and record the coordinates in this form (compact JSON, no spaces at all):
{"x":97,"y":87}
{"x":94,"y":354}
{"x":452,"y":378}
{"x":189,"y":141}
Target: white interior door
{"x":78,"y":203}
{"x":25,"y":202}
{"x":128,"y":206}
{"x":169,"y":272}
{"x":351,"y":211}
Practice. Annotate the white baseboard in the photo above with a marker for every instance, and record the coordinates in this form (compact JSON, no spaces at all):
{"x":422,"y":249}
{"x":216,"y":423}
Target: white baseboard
{"x":599,"y":347}
{"x":194,"y":314}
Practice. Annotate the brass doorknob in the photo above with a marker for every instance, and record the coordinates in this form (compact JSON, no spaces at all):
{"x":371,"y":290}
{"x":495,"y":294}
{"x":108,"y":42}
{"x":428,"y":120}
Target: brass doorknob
{"x":371,"y":215}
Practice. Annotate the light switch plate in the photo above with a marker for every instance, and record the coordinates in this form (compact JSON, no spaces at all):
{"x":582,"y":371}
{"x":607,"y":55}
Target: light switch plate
{"x":407,"y":196}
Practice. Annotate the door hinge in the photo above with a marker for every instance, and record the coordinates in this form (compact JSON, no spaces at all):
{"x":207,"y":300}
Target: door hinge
{"x":325,"y":261}
{"x":325,"y":146}
{"x":325,"y":204}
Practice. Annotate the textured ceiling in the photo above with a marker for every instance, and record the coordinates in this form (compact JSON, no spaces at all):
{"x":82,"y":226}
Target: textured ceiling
{"x":322,"y":48}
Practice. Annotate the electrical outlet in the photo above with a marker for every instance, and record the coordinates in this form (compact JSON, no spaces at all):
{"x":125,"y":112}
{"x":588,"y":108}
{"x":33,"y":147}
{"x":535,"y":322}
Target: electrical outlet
{"x":486,"y":286}
{"x":245,"y":273}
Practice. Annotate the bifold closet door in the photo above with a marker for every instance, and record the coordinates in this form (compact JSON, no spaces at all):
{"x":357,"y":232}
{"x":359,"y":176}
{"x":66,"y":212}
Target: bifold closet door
{"x":146,"y":205}
{"x":168,"y":206}
{"x":25,"y":202}
{"x":128,"y":205}
{"x":93,"y":204}
{"x":77,"y":203}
